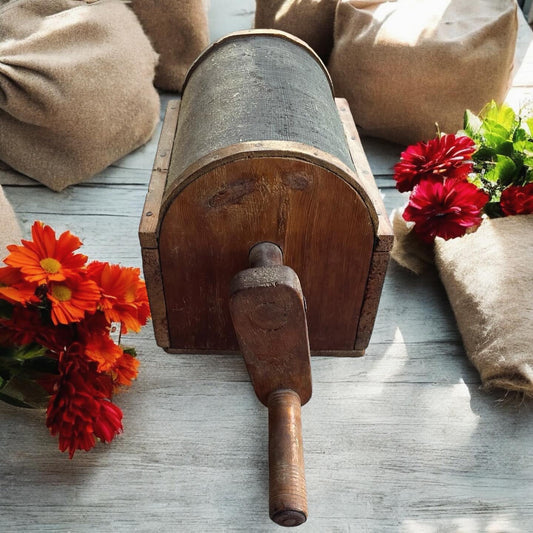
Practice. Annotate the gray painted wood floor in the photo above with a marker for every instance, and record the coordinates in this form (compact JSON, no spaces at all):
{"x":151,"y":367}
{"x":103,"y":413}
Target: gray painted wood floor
{"x":402,"y":439}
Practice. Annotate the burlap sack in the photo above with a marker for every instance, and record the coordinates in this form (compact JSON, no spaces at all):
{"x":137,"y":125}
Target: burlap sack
{"x":179,"y":31}
{"x":488,"y":276}
{"x":407,"y":249}
{"x":310,"y":20}
{"x":76,"y":87}
{"x":405,"y":65}
{"x":9,"y":227}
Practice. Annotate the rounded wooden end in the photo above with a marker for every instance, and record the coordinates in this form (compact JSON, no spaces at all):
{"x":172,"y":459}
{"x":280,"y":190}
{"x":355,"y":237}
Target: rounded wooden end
{"x":264,"y":254}
{"x":289,"y":518}
{"x":288,"y":496}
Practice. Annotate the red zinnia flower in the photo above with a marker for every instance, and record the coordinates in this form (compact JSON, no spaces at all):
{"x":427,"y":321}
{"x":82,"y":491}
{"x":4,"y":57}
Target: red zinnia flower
{"x":444,"y":209}
{"x":24,"y":326}
{"x":108,"y":423}
{"x":447,"y":156}
{"x":124,"y":298}
{"x":46,"y":258}
{"x":71,"y":299}
{"x":516,"y":200}
{"x":79,"y":411}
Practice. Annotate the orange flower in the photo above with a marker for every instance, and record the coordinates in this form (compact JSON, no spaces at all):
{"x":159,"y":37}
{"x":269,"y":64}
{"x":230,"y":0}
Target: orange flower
{"x":125,"y":369}
{"x":13,"y":287}
{"x":101,"y":349}
{"x":71,"y":299}
{"x":45,"y":258}
{"x":124,"y":298}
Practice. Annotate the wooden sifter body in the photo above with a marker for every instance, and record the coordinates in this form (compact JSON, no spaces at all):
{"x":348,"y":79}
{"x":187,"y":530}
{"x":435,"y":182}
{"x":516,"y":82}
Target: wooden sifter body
{"x":263,"y":231}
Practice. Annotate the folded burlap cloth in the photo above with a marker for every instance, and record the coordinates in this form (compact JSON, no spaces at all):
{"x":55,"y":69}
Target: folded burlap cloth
{"x":76,"y":87}
{"x":488,"y":276}
{"x":406,"y":64}
{"x":179,"y":31}
{"x":310,"y":20}
{"x":9,"y":227}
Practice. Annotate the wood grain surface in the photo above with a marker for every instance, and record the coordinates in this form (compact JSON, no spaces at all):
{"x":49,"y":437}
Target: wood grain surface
{"x":321,"y":224}
{"x":400,"y":440}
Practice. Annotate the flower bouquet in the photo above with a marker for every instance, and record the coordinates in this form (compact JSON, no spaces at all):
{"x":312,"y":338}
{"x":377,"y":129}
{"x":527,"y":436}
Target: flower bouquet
{"x":470,"y":213}
{"x":58,"y":317}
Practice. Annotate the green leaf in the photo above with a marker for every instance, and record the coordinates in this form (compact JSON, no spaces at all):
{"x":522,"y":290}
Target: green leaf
{"x":493,"y":210}
{"x":41,"y":365}
{"x":529,"y":122}
{"x":472,"y":124}
{"x":503,"y":171}
{"x":22,"y":353}
{"x":506,"y":148}
{"x":14,"y":401}
{"x":528,"y":161}
{"x":520,"y":134}
{"x":23,"y":392}
{"x":523,"y":146}
{"x":502,"y":115}
{"x":130,"y":350}
{"x":494,"y":134}
{"x":484,"y":153}
{"x":29,"y":351}
{"x":476,"y":180}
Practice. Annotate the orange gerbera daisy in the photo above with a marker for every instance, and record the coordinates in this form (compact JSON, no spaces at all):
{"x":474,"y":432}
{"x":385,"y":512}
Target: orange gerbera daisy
{"x":14,"y":288}
{"x":124,"y":297}
{"x":71,"y":299}
{"x":45,"y":258}
{"x":125,"y":369}
{"x":101,"y":349}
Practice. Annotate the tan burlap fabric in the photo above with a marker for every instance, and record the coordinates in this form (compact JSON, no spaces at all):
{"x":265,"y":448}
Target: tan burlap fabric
{"x":488,"y":276}
{"x":179,"y":31}
{"x":405,"y":65}
{"x":9,"y":227}
{"x":310,"y":20}
{"x":408,"y":250}
{"x":76,"y":87}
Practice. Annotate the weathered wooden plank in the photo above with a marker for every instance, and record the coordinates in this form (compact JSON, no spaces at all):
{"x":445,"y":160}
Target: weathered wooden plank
{"x":398,"y":361}
{"x":152,"y":206}
{"x":366,"y":464}
{"x":121,"y":201}
{"x":382,"y":155}
{"x":111,"y":176}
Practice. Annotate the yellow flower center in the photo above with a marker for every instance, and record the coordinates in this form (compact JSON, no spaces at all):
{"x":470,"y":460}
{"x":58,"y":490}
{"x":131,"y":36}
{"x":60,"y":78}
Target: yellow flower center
{"x":50,"y":265}
{"x":62,"y":293}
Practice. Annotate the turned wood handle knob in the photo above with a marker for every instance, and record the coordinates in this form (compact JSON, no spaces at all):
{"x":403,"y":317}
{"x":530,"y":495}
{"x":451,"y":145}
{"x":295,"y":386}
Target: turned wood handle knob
{"x":268,"y":312}
{"x":288,"y":497}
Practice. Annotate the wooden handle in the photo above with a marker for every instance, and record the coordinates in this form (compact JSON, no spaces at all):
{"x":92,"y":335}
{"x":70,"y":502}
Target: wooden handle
{"x":288,"y":497}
